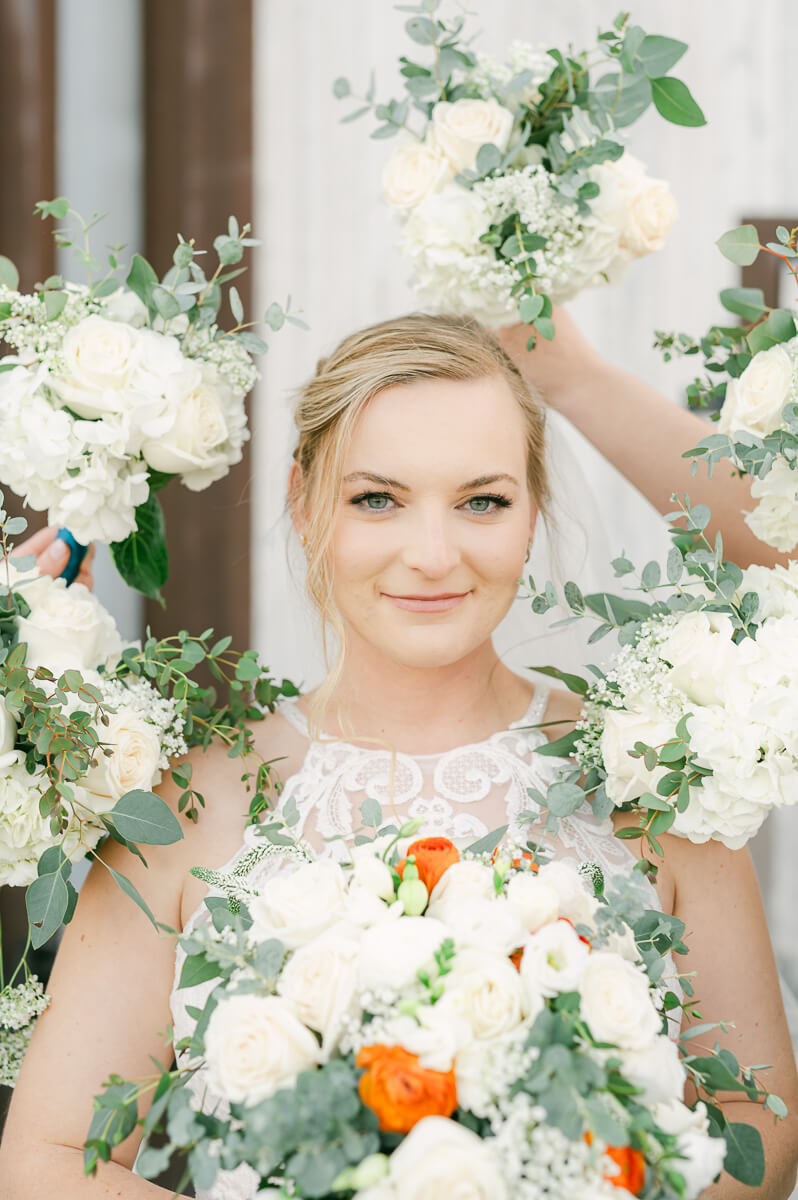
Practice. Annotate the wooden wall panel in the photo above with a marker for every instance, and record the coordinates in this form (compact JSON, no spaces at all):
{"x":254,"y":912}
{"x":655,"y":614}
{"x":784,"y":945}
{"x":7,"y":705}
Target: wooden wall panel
{"x":198,"y":130}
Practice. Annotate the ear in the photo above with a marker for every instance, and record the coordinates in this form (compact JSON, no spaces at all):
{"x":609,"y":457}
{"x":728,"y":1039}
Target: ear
{"x":296,"y":498}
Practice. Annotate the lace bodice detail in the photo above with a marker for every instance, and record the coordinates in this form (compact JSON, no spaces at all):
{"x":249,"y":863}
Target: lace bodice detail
{"x":462,"y":794}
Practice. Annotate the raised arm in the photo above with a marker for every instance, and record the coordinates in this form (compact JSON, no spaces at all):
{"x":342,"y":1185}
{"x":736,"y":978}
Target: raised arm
{"x":638,"y":430}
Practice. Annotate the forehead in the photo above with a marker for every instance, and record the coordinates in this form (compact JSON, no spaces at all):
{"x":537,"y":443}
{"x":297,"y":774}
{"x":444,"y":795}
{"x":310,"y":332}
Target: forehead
{"x":440,"y":428}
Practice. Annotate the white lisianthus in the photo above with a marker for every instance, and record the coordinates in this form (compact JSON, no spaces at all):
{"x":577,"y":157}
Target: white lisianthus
{"x":319,"y":981}
{"x":703,"y":1156}
{"x":628,"y":777}
{"x":370,"y":872}
{"x":413,"y":172}
{"x":754,"y":402}
{"x":393,"y":952}
{"x":299,"y":905}
{"x":657,"y":1070}
{"x":462,"y":127}
{"x":196,"y":445}
{"x":99,"y":359}
{"x":554,"y":961}
{"x":68,"y":628}
{"x":255,"y":1045}
{"x":576,"y":903}
{"x":775,"y":518}
{"x":536,"y":902}
{"x":486,"y":992}
{"x":133,"y":762}
{"x":616,"y":1002}
{"x":442,"y":1158}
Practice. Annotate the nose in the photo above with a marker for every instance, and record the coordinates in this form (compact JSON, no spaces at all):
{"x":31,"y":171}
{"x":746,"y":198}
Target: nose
{"x":430,"y":545}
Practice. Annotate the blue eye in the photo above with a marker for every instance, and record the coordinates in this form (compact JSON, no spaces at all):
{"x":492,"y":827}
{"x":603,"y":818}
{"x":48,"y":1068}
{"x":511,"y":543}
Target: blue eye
{"x":377,"y":502}
{"x":484,"y":505}
{"x":373,"y":501}
{"x":480,"y":504}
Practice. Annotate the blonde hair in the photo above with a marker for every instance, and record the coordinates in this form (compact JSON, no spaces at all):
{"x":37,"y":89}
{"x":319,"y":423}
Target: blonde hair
{"x":389,"y":354}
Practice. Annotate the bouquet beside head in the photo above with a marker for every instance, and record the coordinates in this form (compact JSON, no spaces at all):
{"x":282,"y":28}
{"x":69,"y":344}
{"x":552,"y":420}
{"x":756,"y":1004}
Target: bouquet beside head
{"x":513,"y":185}
{"x":403,"y":1027}
{"x":111,"y":391}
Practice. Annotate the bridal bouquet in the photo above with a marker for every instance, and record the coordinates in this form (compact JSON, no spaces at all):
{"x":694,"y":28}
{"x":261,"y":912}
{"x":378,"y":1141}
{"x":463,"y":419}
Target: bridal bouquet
{"x":404,"y":1026}
{"x":695,"y":720}
{"x":87,"y":727}
{"x":754,"y":374}
{"x":513,"y":186}
{"x":111,"y":391}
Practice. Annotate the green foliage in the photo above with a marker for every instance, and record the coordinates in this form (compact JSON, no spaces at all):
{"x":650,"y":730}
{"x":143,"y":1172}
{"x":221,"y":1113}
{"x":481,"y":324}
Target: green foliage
{"x":142,"y":558}
{"x":740,"y":245}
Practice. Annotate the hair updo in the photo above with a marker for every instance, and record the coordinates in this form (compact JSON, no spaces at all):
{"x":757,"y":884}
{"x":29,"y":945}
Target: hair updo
{"x":391,"y":353}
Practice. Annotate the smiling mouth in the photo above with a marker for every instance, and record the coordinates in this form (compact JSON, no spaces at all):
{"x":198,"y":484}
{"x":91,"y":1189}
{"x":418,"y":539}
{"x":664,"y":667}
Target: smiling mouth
{"x":441,"y":603}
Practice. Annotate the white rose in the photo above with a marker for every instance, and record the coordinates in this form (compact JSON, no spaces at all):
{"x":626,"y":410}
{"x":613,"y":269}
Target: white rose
{"x":319,"y":981}
{"x":414,"y":171}
{"x":754,"y":402}
{"x":296,"y":906}
{"x":442,"y":1158}
{"x":576,"y":902}
{"x":393,"y":952}
{"x":254,"y":1045}
{"x":776,"y":587}
{"x":491,"y":925}
{"x":656,"y":1069}
{"x":627,"y":777}
{"x":642,"y":209}
{"x":616,"y":1002}
{"x":133,"y":762}
{"x":554,"y":961}
{"x":159,"y":365}
{"x":486,"y":992}
{"x":196,"y":445}
{"x":369,"y":871}
{"x":124,"y":305}
{"x":99,"y":358}
{"x":69,"y":628}
{"x":462,"y":127}
{"x":775,"y":519}
{"x":702,"y":655}
{"x":703,"y":1156}
{"x":447,"y":224}
{"x":463,"y":880}
{"x":536,"y":902}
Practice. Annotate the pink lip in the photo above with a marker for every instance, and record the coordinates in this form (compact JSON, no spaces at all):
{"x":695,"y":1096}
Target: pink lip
{"x":442,"y":603}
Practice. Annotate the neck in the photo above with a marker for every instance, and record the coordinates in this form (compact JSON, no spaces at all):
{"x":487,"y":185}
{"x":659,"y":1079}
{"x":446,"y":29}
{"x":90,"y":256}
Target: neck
{"x":424,"y":709}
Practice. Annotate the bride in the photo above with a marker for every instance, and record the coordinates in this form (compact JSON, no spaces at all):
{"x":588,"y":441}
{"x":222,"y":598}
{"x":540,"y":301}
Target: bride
{"x":418,"y":479}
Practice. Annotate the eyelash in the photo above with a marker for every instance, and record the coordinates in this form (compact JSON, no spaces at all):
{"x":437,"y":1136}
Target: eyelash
{"x":499,"y":501}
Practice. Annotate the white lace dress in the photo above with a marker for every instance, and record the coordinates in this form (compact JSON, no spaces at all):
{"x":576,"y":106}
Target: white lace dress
{"x":463,"y":793}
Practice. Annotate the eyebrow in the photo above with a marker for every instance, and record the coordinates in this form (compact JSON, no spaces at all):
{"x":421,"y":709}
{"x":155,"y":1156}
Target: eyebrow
{"x":384,"y":481}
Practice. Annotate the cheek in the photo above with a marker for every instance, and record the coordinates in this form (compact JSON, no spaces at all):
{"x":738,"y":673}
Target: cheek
{"x":359,"y":550}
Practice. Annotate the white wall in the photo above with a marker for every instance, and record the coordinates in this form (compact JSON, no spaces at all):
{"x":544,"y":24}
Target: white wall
{"x":329,"y":241}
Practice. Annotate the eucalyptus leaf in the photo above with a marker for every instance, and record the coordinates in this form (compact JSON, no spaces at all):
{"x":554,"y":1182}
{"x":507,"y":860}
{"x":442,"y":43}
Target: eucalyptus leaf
{"x":46,"y":901}
{"x":744,"y":302}
{"x":674,"y":102}
{"x":779,"y":327}
{"x":9,"y":275}
{"x":143,"y":817}
{"x":658,"y":54}
{"x":740,"y":245}
{"x":745,"y":1156}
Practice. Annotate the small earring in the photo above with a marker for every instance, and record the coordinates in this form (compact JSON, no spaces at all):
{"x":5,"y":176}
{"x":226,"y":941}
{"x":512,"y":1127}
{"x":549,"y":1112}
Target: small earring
{"x":528,"y":550}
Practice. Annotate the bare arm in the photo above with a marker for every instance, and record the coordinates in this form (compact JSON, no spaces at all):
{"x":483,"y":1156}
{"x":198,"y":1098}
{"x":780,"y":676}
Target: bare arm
{"x":717,"y":896}
{"x":636,"y":429}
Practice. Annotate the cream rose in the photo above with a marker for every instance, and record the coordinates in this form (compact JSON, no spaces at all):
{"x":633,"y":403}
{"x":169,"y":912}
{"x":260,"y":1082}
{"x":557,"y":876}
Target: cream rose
{"x":617,"y":1003}
{"x":627,"y":777}
{"x":492,"y":925}
{"x":412,"y":173}
{"x":133,"y":762}
{"x":656,"y":1069}
{"x":195,"y":445}
{"x":463,"y":880}
{"x":319,"y":981}
{"x":703,"y":1156}
{"x":485,"y":991}
{"x":702,"y":655}
{"x":393,"y":952}
{"x":69,"y":628}
{"x":296,"y":906}
{"x":99,"y":359}
{"x":775,"y":519}
{"x":442,"y":1158}
{"x":642,"y":209}
{"x":462,"y":127}
{"x":754,"y":402}
{"x":254,"y":1045}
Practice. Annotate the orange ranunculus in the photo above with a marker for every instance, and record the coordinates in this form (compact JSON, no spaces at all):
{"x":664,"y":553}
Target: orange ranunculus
{"x":432,"y":857}
{"x":632,"y":1174}
{"x":515,"y":958}
{"x":401,"y":1092}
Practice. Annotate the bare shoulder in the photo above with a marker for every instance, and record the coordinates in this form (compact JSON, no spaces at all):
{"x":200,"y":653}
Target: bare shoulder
{"x":562,"y":713}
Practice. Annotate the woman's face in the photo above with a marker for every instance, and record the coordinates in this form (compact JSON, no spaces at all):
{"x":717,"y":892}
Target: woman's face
{"x":433,"y":520}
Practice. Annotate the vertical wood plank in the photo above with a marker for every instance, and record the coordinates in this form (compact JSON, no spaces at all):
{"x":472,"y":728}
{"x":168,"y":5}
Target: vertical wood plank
{"x":198,"y":128}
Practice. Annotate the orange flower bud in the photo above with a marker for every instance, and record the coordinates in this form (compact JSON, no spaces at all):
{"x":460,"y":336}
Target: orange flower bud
{"x":432,"y":857}
{"x":401,"y":1092}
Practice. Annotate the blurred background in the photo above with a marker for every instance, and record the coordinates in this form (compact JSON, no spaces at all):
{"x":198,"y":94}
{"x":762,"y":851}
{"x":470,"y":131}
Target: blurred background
{"x":171,"y":114}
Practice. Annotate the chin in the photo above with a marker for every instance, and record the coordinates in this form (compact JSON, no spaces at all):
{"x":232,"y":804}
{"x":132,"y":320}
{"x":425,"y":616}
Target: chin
{"x":431,"y":647}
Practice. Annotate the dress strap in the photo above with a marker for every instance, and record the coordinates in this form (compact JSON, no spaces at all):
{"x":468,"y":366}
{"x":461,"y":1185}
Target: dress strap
{"x":537,"y":708}
{"x":287,"y":707}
